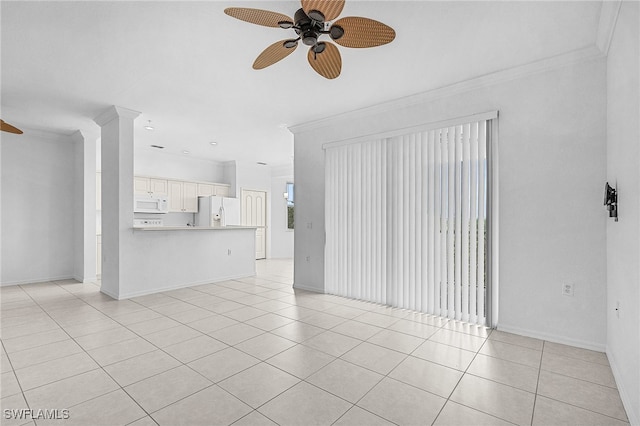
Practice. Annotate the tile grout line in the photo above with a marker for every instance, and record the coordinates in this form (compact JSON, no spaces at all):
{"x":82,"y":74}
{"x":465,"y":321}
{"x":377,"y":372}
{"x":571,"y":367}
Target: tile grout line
{"x":97,"y":363}
{"x":324,"y":330}
{"x":460,"y":379}
{"x":535,"y":397}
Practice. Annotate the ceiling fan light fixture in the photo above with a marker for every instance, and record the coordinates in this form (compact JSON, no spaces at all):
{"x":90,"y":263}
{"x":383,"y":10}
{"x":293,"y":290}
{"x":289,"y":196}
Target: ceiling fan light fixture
{"x":285,"y":24}
{"x":319,"y":48}
{"x":310,"y":38}
{"x":289,"y":44}
{"x":316,"y":15}
{"x":336,"y":31}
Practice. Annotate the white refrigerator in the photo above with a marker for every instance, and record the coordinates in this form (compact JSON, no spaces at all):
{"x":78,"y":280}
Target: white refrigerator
{"x":217,"y":211}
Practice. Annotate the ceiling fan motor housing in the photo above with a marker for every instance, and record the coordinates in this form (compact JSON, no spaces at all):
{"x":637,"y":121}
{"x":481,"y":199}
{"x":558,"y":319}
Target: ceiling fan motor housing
{"x":308,"y":29}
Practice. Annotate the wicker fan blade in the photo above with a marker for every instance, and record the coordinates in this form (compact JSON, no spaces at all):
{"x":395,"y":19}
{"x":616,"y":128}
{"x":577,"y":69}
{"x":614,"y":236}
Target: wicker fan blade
{"x":363,"y":32}
{"x":327,"y":63}
{"x":329,"y":8}
{"x":273,"y":54}
{"x":258,"y":16}
{"x":6,"y":127}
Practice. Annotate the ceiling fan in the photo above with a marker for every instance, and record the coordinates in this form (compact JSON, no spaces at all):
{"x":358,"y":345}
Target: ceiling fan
{"x":6,"y":127}
{"x":310,"y":22}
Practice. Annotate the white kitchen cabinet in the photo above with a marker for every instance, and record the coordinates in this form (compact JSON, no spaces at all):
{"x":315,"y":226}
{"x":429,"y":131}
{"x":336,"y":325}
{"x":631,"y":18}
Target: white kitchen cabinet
{"x":222,"y":190}
{"x":140,"y":185}
{"x":206,"y":189}
{"x":190,"y":195}
{"x":153,"y":186}
{"x":183,"y":196}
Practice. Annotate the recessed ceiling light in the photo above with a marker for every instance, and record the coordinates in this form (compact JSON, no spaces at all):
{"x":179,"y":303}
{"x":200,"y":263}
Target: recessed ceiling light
{"x":213,"y":143}
{"x":185,"y":152}
{"x":148,"y":126}
{"x":157,"y":146}
{"x":261,"y":163}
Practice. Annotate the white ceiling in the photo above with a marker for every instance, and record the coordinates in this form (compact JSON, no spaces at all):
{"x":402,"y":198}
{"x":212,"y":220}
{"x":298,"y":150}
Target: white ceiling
{"x":187,"y":66}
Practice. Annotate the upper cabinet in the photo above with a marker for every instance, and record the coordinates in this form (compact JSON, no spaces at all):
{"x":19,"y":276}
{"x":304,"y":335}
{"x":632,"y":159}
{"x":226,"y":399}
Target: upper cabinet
{"x":183,"y":196}
{"x":206,"y":189}
{"x":152,"y":186}
{"x":209,"y":189}
{"x":222,"y":190}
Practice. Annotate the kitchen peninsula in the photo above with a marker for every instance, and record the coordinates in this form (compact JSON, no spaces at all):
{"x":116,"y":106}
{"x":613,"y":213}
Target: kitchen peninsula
{"x":165,"y":258}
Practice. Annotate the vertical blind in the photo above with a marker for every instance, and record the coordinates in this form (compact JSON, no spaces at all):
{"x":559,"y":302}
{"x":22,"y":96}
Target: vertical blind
{"x":406,"y":221}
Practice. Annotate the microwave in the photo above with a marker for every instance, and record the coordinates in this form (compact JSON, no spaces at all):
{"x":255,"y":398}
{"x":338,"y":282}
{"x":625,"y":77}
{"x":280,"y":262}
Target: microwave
{"x":146,"y":204}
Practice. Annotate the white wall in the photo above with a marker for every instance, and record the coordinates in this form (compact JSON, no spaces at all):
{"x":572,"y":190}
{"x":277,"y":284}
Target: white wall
{"x":157,"y":163}
{"x":85,"y":223}
{"x":551,"y":174}
{"x":78,"y":208}
{"x":281,"y":236}
{"x":38,"y":176}
{"x":229,"y":176}
{"x":623,"y":237}
{"x":252,"y":176}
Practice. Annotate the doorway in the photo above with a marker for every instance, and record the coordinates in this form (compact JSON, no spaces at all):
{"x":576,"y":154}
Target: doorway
{"x":254,"y":213}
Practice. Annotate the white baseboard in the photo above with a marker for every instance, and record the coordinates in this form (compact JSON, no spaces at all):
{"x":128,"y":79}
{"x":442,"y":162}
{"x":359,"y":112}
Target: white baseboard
{"x":634,"y":418}
{"x":594,"y":346}
{"x":176,"y":287}
{"x":303,"y":287}
{"x":37,"y":280}
{"x":85,"y":280}
{"x":108,"y":293}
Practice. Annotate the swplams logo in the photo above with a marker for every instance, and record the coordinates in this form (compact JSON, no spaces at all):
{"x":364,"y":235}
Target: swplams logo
{"x":39,"y":414}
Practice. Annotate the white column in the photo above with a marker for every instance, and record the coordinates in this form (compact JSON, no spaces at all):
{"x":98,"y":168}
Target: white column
{"x":117,"y":195}
{"x":85,"y":207}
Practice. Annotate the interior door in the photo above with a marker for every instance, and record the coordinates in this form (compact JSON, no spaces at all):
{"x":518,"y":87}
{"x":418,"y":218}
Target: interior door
{"x":254,"y":213}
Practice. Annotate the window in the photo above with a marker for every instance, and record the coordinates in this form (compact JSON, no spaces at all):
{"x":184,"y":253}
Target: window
{"x":290,"y":206}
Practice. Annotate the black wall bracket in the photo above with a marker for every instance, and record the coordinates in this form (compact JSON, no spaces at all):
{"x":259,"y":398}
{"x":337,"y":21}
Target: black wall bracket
{"x":611,"y":200}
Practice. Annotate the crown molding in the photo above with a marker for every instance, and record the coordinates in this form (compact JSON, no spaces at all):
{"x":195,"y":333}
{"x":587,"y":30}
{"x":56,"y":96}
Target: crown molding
{"x":77,"y":137}
{"x":45,"y":134}
{"x":548,"y":64}
{"x":608,"y":18}
{"x":114,"y":112}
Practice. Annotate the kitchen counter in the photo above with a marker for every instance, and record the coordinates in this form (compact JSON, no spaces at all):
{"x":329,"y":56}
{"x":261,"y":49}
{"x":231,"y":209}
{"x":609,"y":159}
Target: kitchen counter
{"x":192,"y":228}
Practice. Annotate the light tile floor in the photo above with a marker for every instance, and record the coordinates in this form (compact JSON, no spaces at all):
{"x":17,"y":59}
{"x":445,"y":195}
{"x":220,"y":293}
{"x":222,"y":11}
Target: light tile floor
{"x":253,"y":351}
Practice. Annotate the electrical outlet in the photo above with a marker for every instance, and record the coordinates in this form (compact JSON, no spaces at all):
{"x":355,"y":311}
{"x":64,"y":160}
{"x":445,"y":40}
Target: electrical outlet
{"x":229,"y":252}
{"x":567,"y":289}
{"x":309,"y":225}
{"x":308,"y":258}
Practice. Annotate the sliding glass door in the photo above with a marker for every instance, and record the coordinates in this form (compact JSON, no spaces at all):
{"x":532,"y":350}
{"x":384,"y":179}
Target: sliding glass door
{"x":407,"y":220}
